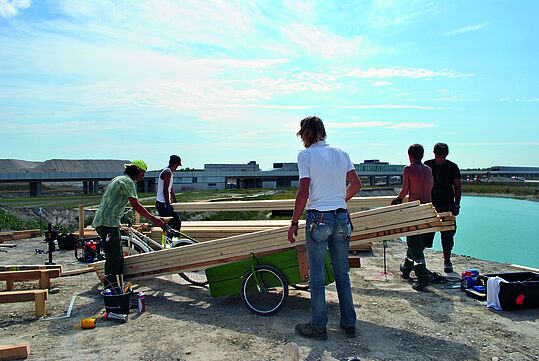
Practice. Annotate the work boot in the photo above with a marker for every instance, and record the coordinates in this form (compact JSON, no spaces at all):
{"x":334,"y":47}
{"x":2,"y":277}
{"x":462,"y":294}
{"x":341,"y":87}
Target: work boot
{"x":349,"y":331}
{"x":308,"y":331}
{"x":405,"y":273}
{"x":448,"y":267}
{"x":423,"y":282}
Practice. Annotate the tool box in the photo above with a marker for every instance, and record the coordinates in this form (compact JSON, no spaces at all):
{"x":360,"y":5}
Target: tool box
{"x":521,"y":289}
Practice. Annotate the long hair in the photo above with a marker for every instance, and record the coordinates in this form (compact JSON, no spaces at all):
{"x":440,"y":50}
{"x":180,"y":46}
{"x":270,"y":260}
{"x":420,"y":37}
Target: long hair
{"x":311,"y":130}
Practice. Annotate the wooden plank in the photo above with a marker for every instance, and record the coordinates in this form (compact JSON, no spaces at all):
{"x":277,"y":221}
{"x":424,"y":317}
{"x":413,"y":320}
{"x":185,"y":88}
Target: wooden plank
{"x":16,"y":235}
{"x":26,"y":267}
{"x":204,"y":255}
{"x":281,"y":204}
{"x":303,"y":262}
{"x":40,"y":303}
{"x":21,"y":296}
{"x":43,"y":275}
{"x":81,"y":221}
{"x":15,"y":352}
{"x":77,"y":272}
{"x":264,"y":236}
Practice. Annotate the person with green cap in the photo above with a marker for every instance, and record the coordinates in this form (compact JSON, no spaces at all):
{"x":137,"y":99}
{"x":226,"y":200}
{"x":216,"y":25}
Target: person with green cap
{"x":120,"y":191}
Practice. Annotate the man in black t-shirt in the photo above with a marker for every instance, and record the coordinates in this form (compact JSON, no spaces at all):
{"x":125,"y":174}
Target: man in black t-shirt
{"x":446,"y":194}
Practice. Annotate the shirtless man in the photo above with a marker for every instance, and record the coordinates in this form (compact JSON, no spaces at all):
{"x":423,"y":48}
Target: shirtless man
{"x":417,"y":184}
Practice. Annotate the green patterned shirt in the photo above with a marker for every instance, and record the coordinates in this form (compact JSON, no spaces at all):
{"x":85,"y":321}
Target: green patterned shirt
{"x":114,"y":200}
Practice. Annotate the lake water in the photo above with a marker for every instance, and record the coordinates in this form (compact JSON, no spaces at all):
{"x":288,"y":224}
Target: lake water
{"x":498,"y":229}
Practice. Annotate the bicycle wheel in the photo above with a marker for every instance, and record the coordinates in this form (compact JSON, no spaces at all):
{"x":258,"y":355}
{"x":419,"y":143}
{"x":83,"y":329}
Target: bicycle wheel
{"x":132,"y":246}
{"x":197,"y":277}
{"x":264,"y":290}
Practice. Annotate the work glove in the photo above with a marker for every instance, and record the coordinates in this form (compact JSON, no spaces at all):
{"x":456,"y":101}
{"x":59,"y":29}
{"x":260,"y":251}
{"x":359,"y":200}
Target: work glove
{"x":396,"y":201}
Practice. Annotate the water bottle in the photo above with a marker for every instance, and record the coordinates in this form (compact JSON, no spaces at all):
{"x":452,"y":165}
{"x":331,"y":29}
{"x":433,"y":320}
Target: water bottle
{"x":141,"y":303}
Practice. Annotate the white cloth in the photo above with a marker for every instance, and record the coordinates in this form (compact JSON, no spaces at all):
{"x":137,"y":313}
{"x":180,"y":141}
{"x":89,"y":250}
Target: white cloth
{"x":326,"y":166}
{"x":493,"y":290}
{"x":160,"y":186}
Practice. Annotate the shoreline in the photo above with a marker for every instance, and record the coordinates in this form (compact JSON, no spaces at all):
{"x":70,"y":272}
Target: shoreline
{"x":503,"y":195}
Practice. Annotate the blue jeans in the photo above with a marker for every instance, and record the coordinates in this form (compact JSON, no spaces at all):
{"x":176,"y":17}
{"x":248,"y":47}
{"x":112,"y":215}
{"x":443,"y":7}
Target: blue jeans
{"x":329,"y":229}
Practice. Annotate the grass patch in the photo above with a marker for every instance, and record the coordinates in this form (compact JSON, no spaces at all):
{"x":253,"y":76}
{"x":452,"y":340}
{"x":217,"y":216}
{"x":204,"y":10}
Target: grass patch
{"x":8,"y":221}
{"x":518,"y":189}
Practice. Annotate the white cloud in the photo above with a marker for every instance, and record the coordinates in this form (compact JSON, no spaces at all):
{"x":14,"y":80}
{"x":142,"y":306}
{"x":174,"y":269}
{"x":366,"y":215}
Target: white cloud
{"x":401,"y":72}
{"x":466,"y":29}
{"x":518,"y":100}
{"x":320,"y":42}
{"x":411,"y":125}
{"x":380,"y":83}
{"x":11,"y":8}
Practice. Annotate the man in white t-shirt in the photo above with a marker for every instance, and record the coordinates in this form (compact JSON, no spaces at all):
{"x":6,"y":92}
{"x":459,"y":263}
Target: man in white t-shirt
{"x":323,"y":173}
{"x":165,"y":192}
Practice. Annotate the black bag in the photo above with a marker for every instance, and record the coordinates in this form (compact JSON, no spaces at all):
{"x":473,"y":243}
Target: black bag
{"x":66,"y":241}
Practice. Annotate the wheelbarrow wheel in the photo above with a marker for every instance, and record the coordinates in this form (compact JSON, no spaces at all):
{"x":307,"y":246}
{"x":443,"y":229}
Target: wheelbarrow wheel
{"x":264,"y":290}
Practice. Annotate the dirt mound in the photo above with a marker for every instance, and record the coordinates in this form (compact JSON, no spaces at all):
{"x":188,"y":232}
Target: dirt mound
{"x":63,"y":165}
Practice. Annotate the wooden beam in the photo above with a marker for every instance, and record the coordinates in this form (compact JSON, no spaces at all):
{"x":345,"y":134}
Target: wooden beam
{"x":38,"y":296}
{"x":26,"y":267}
{"x":15,"y":352}
{"x":376,"y":224}
{"x":43,"y":275}
{"x":81,"y":221}
{"x":281,"y":204}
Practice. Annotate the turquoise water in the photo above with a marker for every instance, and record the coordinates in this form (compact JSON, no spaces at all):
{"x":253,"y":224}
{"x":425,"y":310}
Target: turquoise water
{"x":498,"y":229}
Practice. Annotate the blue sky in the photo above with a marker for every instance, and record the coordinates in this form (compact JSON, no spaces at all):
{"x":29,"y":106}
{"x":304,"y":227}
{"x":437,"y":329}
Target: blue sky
{"x":229,"y":81}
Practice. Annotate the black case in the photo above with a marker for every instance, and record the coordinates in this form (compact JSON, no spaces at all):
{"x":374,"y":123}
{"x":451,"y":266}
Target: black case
{"x":519,"y":285}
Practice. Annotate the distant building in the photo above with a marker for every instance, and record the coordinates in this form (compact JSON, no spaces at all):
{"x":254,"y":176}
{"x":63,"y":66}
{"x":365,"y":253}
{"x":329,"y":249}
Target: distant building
{"x":282,"y":175}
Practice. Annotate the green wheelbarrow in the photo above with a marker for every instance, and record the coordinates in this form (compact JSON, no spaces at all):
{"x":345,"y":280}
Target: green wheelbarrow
{"x":263,"y":280}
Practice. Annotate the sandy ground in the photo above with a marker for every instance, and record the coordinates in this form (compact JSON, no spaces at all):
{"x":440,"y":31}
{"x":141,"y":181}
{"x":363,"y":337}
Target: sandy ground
{"x":183,"y":322}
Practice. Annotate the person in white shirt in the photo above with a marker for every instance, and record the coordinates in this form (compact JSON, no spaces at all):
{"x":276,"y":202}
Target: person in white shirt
{"x":165,"y":193}
{"x":324,"y":171}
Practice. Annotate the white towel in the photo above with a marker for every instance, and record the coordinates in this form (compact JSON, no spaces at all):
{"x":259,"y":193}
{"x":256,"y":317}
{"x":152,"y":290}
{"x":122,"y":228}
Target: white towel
{"x":493,"y":290}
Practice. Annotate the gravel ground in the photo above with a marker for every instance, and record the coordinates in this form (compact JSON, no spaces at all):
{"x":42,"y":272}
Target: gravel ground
{"x":182,"y":322}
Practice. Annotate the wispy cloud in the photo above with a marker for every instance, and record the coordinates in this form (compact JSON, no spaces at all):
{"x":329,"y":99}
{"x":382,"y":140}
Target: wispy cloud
{"x":411,"y":125}
{"x":11,"y":8}
{"x":518,"y":100}
{"x":380,"y":83}
{"x":466,"y":29}
{"x":401,"y":72}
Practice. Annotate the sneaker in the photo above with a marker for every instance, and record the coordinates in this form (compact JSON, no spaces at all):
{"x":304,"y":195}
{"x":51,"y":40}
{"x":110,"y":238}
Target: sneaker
{"x":422,"y":283}
{"x":448,"y":267}
{"x":349,"y":331}
{"x":405,"y":273}
{"x":308,"y":331}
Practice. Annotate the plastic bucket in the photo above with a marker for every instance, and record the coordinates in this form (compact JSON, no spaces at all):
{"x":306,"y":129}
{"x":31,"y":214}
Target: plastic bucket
{"x":117,"y":303}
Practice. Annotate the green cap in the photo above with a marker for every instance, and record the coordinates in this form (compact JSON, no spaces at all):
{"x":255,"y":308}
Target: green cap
{"x":139,"y":163}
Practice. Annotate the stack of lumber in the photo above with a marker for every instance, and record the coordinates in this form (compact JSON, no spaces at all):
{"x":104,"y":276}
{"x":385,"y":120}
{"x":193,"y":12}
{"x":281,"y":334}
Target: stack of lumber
{"x":372,"y":225}
{"x":274,"y":205}
{"x":14,"y":235}
{"x":204,"y":231}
